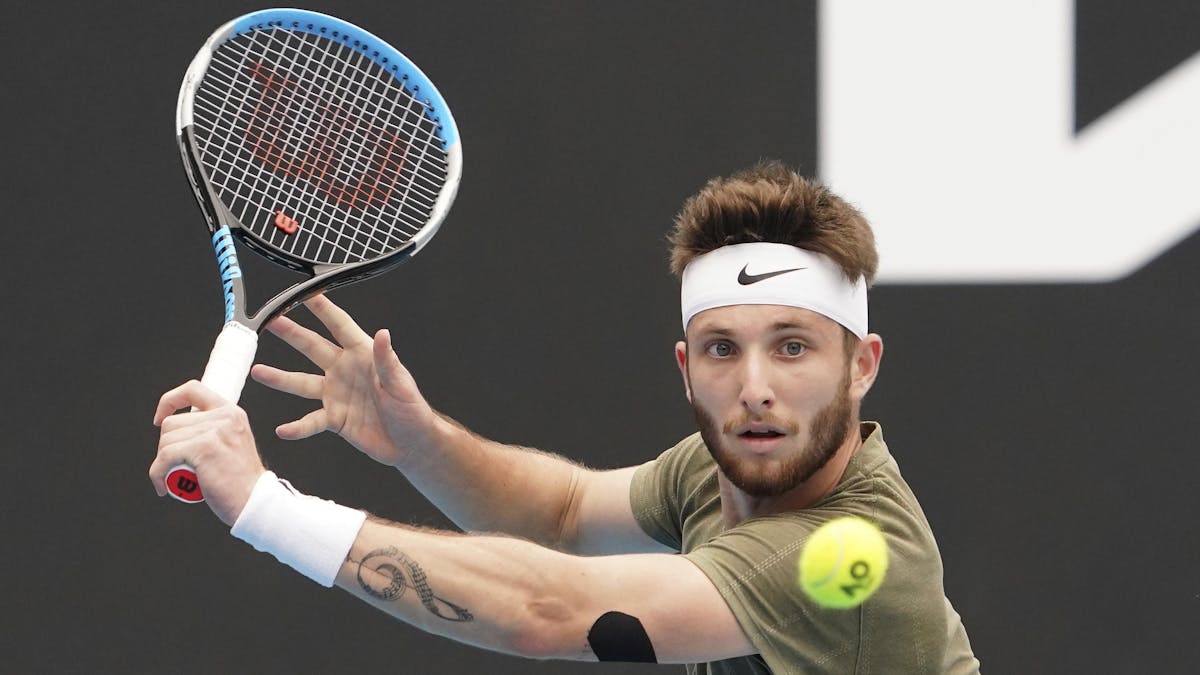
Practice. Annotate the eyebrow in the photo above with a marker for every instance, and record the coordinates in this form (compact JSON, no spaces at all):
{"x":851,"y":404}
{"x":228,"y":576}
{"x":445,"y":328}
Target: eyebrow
{"x":777,"y":327}
{"x":791,"y":325}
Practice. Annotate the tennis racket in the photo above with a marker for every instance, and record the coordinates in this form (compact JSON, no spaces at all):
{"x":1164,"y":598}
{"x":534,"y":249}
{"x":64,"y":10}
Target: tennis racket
{"x":317,"y":145}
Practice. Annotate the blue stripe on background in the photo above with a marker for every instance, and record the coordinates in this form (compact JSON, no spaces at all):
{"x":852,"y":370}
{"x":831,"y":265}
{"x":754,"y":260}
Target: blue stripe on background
{"x":371,"y":46}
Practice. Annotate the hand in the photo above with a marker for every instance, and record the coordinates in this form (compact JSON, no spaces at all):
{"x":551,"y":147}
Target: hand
{"x":367,"y":397}
{"x":215,"y":440}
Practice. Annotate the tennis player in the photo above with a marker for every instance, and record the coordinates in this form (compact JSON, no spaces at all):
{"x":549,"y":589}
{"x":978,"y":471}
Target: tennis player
{"x":688,"y":558}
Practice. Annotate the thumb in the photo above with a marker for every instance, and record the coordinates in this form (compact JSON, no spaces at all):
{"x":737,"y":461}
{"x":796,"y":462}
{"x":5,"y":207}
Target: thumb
{"x":392,"y":375}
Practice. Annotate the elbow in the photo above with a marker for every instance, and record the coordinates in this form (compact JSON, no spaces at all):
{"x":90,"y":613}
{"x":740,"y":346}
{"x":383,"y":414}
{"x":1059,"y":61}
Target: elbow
{"x":548,"y":628}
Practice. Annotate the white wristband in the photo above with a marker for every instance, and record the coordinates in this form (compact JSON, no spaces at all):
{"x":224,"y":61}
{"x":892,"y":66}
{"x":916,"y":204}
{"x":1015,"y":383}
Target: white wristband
{"x":309,"y":534}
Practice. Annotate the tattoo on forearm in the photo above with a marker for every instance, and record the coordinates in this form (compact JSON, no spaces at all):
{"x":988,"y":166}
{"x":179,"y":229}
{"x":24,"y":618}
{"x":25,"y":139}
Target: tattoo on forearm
{"x":394,"y":582}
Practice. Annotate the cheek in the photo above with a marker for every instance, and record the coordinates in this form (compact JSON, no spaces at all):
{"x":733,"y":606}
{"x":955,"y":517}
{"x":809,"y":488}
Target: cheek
{"x":703,"y":397}
{"x":710,"y":389}
{"x":805,"y":396}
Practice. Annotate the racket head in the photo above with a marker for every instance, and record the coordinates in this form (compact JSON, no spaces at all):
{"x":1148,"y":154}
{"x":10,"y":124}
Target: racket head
{"x":317,"y":145}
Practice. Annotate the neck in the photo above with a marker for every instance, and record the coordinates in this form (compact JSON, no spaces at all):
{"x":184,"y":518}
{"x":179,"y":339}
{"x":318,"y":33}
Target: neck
{"x":737,"y":506}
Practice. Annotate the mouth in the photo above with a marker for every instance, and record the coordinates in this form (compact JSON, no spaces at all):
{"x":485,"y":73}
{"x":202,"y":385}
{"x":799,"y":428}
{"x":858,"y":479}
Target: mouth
{"x":759,"y":429}
{"x":755,"y":434}
{"x":760,"y":439}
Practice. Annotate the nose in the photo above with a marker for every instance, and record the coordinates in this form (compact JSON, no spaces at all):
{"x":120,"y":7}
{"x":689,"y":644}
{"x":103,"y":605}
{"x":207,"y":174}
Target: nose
{"x":757,"y":395}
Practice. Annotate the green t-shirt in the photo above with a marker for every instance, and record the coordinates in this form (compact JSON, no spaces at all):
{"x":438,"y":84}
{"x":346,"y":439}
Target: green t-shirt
{"x":908,"y":626}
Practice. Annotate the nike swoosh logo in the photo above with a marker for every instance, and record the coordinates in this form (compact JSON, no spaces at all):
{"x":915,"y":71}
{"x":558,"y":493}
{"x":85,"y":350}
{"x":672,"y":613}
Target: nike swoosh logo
{"x":747,"y":279}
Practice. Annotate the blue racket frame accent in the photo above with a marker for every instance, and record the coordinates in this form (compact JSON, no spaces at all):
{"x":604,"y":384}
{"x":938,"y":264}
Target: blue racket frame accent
{"x":388,"y":57}
{"x":227,"y":262}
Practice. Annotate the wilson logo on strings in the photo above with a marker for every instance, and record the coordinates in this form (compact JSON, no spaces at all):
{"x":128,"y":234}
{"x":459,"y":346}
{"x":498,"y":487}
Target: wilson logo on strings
{"x":348,"y":159}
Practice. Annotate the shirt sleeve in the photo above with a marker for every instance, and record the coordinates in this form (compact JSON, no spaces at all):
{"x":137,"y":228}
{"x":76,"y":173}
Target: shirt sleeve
{"x":674,"y":491}
{"x":655,"y":502}
{"x":901,"y":628}
{"x":754,"y":567}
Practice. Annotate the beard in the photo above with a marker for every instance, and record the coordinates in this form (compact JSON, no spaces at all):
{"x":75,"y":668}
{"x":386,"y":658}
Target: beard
{"x":762,"y":477}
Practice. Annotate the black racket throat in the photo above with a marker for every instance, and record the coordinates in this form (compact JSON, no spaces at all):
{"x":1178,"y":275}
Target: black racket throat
{"x":321,"y":277}
{"x":325,"y":278}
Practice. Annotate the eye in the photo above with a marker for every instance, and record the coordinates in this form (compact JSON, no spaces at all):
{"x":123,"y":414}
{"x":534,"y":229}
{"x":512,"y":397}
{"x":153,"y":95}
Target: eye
{"x":719,"y":350}
{"x":793,"y":348}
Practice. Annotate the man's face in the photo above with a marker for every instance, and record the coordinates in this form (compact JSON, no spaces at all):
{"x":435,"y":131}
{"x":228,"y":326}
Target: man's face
{"x":771,"y":389}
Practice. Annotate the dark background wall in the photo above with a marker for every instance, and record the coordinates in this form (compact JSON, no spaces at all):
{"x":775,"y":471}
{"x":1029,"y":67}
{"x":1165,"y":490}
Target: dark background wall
{"x":1046,"y":429}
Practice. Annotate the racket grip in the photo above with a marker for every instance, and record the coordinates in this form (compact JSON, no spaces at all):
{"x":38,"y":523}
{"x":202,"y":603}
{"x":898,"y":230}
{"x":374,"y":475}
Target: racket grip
{"x":228,"y":365}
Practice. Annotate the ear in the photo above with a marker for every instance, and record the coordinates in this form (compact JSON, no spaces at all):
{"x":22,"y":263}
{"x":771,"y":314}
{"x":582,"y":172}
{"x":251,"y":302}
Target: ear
{"x":864,"y":365}
{"x":681,"y":361}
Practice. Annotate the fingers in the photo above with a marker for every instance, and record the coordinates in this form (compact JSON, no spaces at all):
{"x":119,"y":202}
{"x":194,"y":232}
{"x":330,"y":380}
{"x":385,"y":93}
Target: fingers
{"x":163,"y":463}
{"x":311,"y":344}
{"x":393,"y":376}
{"x":176,"y":447}
{"x":310,"y":425}
{"x":180,"y":421}
{"x":304,"y":385}
{"x":181,"y":438}
{"x":341,"y":326}
{"x":158,"y":474}
{"x":217,"y":443}
{"x":190,"y":394}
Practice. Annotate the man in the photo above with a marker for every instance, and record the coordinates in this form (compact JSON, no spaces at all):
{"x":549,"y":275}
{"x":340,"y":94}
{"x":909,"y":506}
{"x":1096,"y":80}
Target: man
{"x":776,"y":361}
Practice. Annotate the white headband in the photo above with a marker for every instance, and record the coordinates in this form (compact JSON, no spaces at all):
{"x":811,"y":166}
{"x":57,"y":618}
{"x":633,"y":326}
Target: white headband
{"x":773,"y":274}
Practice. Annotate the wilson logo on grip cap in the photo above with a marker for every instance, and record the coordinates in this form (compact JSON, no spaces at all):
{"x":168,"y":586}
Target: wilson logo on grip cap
{"x":184,"y":485}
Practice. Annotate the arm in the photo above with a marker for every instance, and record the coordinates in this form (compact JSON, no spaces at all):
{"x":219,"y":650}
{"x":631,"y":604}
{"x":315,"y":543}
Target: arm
{"x":516,"y":597}
{"x":500,"y":593}
{"x":371,"y":400}
{"x":485,"y":486}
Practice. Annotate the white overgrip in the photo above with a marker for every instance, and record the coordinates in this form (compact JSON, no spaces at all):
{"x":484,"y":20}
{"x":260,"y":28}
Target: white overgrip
{"x":228,"y":365}
{"x":230,"y":361}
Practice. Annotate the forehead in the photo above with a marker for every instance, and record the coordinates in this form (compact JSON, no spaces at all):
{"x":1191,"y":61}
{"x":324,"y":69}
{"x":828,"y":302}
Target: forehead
{"x":751,"y":320}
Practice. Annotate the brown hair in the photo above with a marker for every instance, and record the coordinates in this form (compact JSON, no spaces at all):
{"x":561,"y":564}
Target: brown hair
{"x":772,"y":203}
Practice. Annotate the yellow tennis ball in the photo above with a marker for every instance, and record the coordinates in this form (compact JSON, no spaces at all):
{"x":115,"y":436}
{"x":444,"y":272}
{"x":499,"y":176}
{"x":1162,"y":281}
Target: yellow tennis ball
{"x":843,"y":562}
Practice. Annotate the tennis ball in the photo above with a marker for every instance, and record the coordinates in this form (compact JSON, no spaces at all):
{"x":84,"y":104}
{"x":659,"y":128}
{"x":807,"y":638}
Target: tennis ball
{"x":843,"y":562}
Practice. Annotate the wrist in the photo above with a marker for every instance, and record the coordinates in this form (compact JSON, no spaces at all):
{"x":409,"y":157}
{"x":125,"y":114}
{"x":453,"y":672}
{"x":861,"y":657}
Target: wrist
{"x":428,"y":445}
{"x":309,"y":534}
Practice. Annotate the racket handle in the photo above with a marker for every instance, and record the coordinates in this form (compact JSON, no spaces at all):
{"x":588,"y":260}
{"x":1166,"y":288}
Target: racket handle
{"x":228,"y":365}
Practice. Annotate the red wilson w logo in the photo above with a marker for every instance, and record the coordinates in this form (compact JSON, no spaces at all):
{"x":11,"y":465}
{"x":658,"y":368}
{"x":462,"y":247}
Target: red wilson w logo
{"x":286,"y":223}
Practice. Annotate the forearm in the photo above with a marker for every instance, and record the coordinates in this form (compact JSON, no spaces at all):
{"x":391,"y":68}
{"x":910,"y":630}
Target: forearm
{"x":500,"y":593}
{"x":488,"y":591}
{"x":485,"y":486}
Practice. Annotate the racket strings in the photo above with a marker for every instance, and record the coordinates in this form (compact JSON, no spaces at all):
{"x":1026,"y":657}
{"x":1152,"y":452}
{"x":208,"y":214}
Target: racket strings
{"x":336,"y":246}
{"x":259,"y":107}
{"x":335,"y":91}
{"x":414,"y":122}
{"x":304,"y":133}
